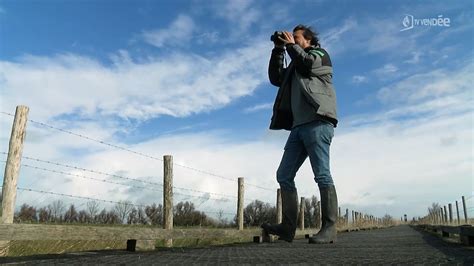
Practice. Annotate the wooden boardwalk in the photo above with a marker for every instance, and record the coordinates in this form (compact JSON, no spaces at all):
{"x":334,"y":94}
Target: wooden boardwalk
{"x":395,"y":245}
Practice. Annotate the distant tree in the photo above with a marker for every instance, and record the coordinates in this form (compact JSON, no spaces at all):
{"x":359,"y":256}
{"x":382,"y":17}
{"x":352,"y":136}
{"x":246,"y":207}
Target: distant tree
{"x":316,"y":213}
{"x":434,"y":208}
{"x":108,"y":217}
{"x":142,"y":217}
{"x":311,"y":212}
{"x":70,"y":216}
{"x":388,"y":220}
{"x":83,"y":217}
{"x":92,"y":210}
{"x":186,"y":214}
{"x":113,"y":218}
{"x":56,"y":209}
{"x":101,"y":218}
{"x":221,"y":221}
{"x":258,"y":212}
{"x":44,"y":215}
{"x":27,"y":213}
{"x":122,"y":209}
{"x":132,"y":216}
{"x":154,"y":214}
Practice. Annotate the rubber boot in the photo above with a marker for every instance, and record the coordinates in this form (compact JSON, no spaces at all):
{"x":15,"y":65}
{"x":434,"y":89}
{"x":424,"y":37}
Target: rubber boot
{"x":328,"y":232}
{"x":285,"y":230}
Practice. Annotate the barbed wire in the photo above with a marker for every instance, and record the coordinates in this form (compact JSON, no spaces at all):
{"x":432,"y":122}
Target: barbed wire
{"x":89,"y":170}
{"x":111,"y":182}
{"x":112,"y":175}
{"x":80,"y":197}
{"x":102,"y":200}
{"x":135,"y":152}
{"x":86,"y":177}
{"x":214,"y":212}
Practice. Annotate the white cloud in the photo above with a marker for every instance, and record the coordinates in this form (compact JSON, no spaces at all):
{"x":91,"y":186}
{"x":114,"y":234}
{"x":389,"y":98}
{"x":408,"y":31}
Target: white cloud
{"x":388,"y":71}
{"x":242,"y":14}
{"x":359,"y":79}
{"x":376,"y":35}
{"x":333,"y":39}
{"x":208,"y":37}
{"x":177,"y":85}
{"x":258,"y":107}
{"x":380,"y":163}
{"x":435,"y":84}
{"x":415,"y":58}
{"x":178,"y":33}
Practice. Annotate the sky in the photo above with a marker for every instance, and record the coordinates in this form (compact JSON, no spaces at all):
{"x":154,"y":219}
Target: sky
{"x":189,"y":79}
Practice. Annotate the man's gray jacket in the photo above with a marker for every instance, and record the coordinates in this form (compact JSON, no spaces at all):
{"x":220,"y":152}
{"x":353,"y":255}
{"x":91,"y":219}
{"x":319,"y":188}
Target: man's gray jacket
{"x":313,"y":70}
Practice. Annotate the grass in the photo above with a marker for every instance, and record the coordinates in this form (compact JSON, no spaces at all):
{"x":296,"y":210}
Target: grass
{"x":26,"y":247}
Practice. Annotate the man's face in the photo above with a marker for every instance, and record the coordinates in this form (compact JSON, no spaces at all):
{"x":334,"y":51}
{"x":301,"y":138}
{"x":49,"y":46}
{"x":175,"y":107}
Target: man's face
{"x":300,"y":40}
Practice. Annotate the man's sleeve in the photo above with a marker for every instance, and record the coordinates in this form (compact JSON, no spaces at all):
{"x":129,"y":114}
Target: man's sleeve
{"x":275,"y":67}
{"x":304,"y":61}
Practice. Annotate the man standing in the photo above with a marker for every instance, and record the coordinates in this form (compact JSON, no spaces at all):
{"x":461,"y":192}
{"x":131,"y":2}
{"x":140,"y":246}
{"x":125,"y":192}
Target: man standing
{"x":305,"y":105}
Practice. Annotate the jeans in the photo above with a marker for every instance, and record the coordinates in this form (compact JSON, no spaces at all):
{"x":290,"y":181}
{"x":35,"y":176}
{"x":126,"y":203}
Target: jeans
{"x":313,"y":140}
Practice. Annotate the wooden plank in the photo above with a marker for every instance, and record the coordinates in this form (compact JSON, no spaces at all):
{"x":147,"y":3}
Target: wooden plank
{"x":450,"y":229}
{"x":80,"y":232}
{"x":467,"y":235}
{"x":467,"y":230}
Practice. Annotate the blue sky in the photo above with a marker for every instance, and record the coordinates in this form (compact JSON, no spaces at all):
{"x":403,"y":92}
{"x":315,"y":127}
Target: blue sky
{"x":149,"y":73}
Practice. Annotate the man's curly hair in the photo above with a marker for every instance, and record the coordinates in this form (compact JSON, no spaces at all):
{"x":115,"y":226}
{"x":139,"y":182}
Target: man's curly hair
{"x":308,"y":34}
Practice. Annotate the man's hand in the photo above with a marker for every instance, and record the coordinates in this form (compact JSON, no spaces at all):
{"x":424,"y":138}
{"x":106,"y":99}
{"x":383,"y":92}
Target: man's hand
{"x":287,"y":38}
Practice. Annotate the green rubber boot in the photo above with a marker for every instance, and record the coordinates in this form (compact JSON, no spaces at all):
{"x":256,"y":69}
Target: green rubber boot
{"x":285,"y":230}
{"x":328,"y":232}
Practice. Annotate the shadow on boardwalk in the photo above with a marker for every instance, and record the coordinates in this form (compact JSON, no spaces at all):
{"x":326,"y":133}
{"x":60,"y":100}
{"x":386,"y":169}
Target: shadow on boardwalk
{"x":400,"y":245}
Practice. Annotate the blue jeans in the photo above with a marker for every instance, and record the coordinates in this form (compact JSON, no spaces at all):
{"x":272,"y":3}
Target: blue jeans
{"x":313,"y":140}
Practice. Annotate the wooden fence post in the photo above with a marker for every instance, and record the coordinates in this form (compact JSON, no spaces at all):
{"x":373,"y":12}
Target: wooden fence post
{"x":168,"y":192}
{"x":278,"y":205}
{"x":445,"y":215}
{"x":318,"y":219}
{"x":457,"y":212}
{"x":12,"y":167}
{"x":464,"y":208}
{"x":441,"y":213}
{"x":302,"y":214}
{"x":450,"y":207}
{"x":168,"y":196}
{"x":347,"y":216}
{"x":240,"y":203}
{"x":353,"y":217}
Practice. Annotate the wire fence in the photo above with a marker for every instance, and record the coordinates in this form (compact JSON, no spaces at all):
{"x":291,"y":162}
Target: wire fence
{"x":138,"y":153}
{"x":459,"y":211}
{"x":198,"y":197}
{"x":156,"y":186}
{"x":159,"y":184}
{"x":221,"y":214}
